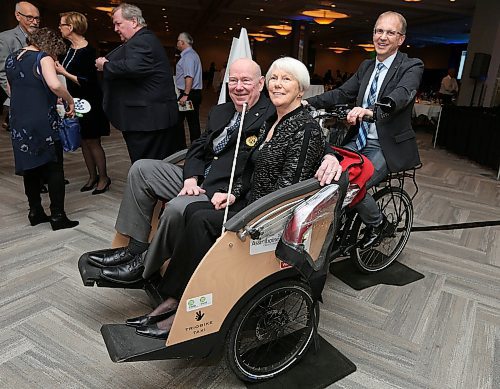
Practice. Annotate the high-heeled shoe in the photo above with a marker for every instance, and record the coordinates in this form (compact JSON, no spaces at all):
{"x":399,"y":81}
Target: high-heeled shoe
{"x":146,"y":320}
{"x":60,"y":221}
{"x":92,"y":185}
{"x":37,"y":216}
{"x":99,"y":191}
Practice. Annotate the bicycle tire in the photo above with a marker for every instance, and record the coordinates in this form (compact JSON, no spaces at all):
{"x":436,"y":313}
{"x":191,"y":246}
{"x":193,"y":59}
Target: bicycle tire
{"x":397,"y":207}
{"x":272,"y":332}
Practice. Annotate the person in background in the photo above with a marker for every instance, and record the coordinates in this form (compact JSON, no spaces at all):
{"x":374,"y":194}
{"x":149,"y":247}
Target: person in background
{"x":12,"y":40}
{"x":81,"y":75}
{"x":138,"y":87}
{"x":449,"y":87}
{"x":34,"y":88}
{"x":188,"y":78}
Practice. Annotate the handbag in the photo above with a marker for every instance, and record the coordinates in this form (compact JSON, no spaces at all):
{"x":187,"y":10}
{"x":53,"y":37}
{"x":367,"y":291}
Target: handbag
{"x":69,"y":132}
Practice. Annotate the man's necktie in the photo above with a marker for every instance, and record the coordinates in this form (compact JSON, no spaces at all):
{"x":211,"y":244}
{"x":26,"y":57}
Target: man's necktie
{"x":224,"y":141}
{"x":372,"y":95}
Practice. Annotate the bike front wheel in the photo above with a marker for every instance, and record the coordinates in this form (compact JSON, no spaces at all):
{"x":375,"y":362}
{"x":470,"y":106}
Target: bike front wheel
{"x":397,"y":207}
{"x":272,"y":332}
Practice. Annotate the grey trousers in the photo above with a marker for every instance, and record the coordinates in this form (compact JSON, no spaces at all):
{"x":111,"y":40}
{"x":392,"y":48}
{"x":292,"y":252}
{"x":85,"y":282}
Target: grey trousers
{"x":149,"y":180}
{"x":367,"y":208}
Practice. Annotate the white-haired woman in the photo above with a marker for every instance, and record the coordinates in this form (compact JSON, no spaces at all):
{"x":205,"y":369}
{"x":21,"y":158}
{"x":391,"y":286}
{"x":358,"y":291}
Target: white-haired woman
{"x":288,"y":150}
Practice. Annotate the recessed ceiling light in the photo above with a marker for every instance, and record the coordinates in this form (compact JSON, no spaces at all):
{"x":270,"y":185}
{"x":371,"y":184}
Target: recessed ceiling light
{"x":230,"y":29}
{"x":261,"y":10}
{"x":247,"y":18}
{"x":332,"y":5}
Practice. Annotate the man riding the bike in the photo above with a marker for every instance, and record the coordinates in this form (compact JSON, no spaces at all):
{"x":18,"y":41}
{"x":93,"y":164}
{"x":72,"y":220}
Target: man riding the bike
{"x":392,"y":78}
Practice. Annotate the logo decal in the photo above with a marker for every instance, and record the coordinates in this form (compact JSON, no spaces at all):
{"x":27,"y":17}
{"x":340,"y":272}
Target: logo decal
{"x":199,"y":316}
{"x":198,"y":302}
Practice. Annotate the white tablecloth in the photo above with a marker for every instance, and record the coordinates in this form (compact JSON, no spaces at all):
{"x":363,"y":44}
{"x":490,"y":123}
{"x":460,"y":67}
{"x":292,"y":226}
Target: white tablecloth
{"x":432,"y":111}
{"x":313,"y":91}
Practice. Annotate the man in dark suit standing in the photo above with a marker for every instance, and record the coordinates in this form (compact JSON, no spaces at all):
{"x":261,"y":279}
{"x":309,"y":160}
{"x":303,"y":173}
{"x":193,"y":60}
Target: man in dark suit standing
{"x":390,"y":142}
{"x":139,"y":94}
{"x":28,"y":17}
{"x":206,"y":170}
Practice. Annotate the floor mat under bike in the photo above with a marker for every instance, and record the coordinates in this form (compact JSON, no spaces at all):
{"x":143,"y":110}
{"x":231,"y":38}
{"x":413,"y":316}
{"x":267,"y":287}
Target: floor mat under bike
{"x":316,"y":370}
{"x":396,"y":274}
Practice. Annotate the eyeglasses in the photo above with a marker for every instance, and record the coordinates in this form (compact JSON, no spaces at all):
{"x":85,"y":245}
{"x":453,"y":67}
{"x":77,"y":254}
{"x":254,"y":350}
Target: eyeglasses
{"x":390,"y":33}
{"x":30,"y":18}
{"x":244,"y":81}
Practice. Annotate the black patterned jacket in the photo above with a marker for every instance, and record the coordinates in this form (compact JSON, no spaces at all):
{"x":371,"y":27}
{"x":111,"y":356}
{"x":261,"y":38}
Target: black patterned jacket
{"x":293,"y":154}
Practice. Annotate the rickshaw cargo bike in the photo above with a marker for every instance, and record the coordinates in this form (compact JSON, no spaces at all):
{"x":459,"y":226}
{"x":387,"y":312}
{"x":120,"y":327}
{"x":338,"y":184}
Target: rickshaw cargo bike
{"x":245,"y":299}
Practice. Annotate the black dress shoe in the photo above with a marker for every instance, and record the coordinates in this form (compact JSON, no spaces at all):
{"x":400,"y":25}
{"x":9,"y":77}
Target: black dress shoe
{"x":110,"y":257}
{"x":60,"y":221}
{"x":37,"y":216}
{"x":152,"y":331}
{"x":373,"y":234}
{"x":129,"y":273}
{"x":99,"y":191}
{"x":87,"y":188}
{"x":147,"y":320}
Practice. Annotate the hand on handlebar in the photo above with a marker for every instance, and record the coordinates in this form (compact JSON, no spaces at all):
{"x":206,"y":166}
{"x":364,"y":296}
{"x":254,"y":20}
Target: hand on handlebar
{"x":359,"y":114}
{"x":330,"y":170}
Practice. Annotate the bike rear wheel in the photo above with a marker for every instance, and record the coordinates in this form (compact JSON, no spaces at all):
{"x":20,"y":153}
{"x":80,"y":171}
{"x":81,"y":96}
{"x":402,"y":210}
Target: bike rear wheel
{"x":272,"y":332}
{"x":397,"y":207}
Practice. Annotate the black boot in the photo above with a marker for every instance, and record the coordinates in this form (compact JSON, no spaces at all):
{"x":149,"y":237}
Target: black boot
{"x":60,"y":221}
{"x":37,"y":215}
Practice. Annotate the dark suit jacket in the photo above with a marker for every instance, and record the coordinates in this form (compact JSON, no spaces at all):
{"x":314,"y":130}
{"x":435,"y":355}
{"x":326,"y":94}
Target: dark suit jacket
{"x":201,"y":153}
{"x":395,"y":133}
{"x":138,"y":88}
{"x":10,"y":41}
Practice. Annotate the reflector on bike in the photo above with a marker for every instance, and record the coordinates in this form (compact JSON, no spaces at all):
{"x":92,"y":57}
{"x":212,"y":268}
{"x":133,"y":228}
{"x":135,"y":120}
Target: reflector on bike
{"x":309,"y":224}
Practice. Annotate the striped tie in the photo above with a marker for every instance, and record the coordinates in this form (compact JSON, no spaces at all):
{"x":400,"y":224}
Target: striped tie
{"x":224,"y":141}
{"x":372,"y":95}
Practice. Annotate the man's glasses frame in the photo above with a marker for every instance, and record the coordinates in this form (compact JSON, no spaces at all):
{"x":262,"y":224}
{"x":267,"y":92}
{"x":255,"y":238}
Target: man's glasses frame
{"x":30,"y":18}
{"x":390,"y":33}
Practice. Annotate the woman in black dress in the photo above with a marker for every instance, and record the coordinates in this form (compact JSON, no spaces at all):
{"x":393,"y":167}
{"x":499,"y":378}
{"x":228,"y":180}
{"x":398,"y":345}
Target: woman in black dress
{"x":78,"y":66}
{"x":34,"y":88}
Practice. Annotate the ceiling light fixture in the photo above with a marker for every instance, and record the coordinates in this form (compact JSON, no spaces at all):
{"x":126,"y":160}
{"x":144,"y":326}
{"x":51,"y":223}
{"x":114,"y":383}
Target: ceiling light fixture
{"x":260,"y":37}
{"x":338,"y":50}
{"x":324,"y":16}
{"x":105,"y":9}
{"x":367,"y":46}
{"x":281,"y":29}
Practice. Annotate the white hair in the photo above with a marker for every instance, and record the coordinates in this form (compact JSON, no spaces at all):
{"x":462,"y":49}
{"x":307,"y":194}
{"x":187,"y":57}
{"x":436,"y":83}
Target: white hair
{"x":292,"y":66}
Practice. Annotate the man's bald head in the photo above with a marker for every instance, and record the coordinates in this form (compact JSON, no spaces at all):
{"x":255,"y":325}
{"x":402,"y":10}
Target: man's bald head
{"x":28,"y":16}
{"x":245,"y":82}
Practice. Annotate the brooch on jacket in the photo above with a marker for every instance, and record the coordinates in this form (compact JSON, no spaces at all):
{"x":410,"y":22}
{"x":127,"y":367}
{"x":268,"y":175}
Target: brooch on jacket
{"x":251,"y":141}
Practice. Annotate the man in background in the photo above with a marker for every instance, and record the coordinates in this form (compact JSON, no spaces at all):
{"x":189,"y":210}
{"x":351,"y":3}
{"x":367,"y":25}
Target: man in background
{"x":139,"y":94}
{"x":449,"y":87}
{"x":28,"y":17}
{"x":188,"y":78}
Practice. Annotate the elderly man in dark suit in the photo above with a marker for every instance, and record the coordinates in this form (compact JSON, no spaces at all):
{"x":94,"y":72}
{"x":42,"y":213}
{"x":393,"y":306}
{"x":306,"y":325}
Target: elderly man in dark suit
{"x":390,"y":142}
{"x":28,"y":17}
{"x":206,"y":170}
{"x":139,"y":93}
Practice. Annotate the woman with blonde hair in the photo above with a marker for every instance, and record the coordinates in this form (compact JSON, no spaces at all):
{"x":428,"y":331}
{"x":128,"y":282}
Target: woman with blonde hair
{"x":80,"y":72}
{"x":34,"y":89}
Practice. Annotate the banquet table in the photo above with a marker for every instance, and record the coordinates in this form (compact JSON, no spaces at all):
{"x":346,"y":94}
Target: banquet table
{"x":314,"y":90}
{"x":431,"y":110}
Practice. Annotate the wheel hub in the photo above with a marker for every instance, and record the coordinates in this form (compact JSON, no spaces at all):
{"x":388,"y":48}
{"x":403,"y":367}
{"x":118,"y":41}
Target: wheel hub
{"x":272,"y":324}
